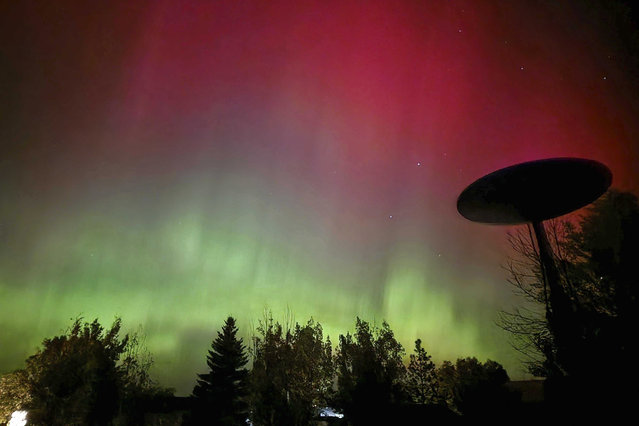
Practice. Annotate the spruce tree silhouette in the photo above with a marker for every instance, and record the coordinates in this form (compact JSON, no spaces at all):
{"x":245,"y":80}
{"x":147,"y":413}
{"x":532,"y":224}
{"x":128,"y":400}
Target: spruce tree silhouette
{"x":219,"y":397}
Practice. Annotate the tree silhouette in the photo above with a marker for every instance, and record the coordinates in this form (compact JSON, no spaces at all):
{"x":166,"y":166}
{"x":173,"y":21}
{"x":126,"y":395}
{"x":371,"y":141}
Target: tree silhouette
{"x":370,"y":372}
{"x":88,"y":375}
{"x":219,"y":397}
{"x":138,"y":391}
{"x":292,"y":373}
{"x":475,"y":389}
{"x":606,"y":290}
{"x":422,"y":385}
{"x":75,"y":378}
{"x":527,"y":324}
{"x":596,"y":260}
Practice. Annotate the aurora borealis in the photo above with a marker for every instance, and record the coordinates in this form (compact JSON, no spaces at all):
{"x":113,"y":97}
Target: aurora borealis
{"x":174,"y":162}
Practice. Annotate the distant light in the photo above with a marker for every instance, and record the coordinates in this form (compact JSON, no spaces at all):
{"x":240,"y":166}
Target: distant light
{"x":419,"y":163}
{"x":18,"y":418}
{"x":390,"y":216}
{"x":329,"y":412}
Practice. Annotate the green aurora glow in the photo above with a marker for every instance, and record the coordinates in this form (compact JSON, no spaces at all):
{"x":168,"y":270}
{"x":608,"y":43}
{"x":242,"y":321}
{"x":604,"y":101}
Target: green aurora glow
{"x":176,"y":162}
{"x":182,"y":272}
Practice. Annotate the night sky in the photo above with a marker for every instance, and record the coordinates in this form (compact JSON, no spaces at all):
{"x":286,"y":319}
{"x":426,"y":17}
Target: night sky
{"x":174,"y":162}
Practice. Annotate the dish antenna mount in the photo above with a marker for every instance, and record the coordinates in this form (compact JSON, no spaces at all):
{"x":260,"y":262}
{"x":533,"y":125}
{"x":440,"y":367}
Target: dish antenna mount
{"x":533,"y":192}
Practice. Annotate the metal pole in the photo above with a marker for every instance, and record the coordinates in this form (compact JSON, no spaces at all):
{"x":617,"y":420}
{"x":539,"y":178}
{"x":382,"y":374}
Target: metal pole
{"x":549,"y":271}
{"x":560,"y":313}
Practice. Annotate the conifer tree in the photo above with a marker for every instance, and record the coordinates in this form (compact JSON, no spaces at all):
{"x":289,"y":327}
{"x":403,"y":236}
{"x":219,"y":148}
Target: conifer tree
{"x":421,"y":379}
{"x":220,"y":394}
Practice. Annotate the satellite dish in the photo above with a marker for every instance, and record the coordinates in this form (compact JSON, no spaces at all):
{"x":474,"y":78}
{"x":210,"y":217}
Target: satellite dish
{"x":534,"y":191}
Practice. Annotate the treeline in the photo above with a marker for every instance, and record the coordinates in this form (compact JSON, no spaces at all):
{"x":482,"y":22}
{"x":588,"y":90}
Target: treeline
{"x":296,"y":372}
{"x":90,"y":375}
